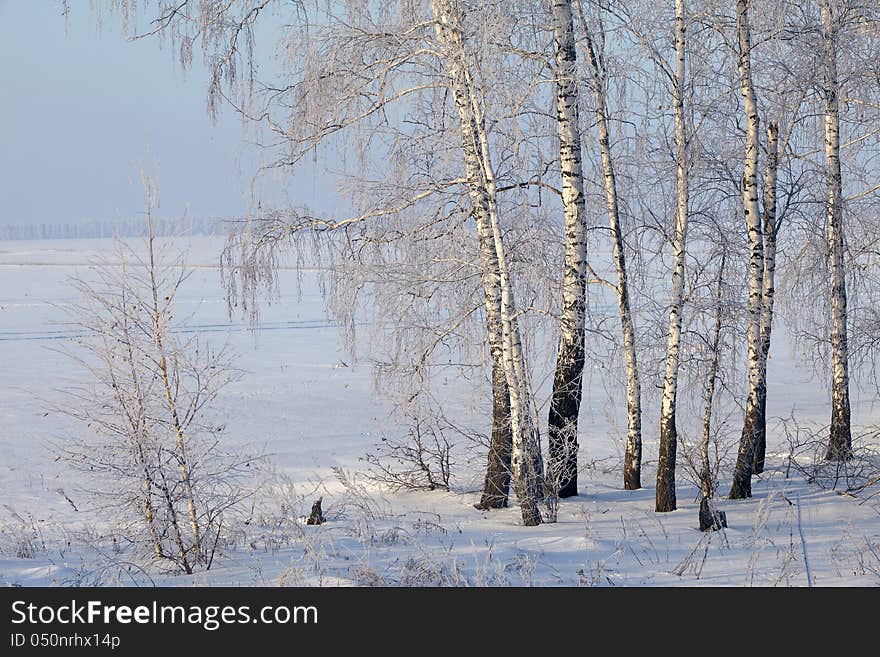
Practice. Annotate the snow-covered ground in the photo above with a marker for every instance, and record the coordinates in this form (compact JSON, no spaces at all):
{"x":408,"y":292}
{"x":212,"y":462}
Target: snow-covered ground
{"x":316,"y":413}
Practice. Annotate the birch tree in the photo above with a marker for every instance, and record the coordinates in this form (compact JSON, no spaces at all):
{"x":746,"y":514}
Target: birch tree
{"x":633,"y":454}
{"x":787,"y":91}
{"x":567,"y":383}
{"x":527,"y":470}
{"x":774,"y":70}
{"x":840,"y":439}
{"x":742,"y":478}
{"x":770,"y":227}
{"x":665,"y":493}
{"x":839,"y":146}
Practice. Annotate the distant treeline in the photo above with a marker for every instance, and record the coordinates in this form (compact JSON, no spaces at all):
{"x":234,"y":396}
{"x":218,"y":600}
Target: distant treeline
{"x":114,"y":228}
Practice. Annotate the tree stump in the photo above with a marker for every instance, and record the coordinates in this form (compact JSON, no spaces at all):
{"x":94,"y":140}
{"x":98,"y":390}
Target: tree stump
{"x":711,"y":519}
{"x":316,"y":517}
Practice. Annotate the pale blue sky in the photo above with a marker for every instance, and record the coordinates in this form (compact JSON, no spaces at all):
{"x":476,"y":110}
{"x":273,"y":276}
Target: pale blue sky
{"x":83,"y":109}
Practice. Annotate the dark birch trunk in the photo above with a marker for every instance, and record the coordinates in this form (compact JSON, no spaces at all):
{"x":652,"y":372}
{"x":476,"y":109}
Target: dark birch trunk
{"x":565,"y":401}
{"x":769,"y":286}
{"x":496,"y":487}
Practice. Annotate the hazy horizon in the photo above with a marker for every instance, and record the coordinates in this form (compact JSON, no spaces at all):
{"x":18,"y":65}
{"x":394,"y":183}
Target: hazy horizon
{"x":88,"y":109}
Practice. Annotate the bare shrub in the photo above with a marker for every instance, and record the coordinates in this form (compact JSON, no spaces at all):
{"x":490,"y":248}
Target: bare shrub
{"x":858,"y":474}
{"x":420,"y":459}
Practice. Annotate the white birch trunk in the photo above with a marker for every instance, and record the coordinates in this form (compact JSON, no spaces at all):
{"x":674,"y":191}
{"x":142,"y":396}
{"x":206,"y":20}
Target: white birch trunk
{"x":633,"y":455}
{"x":665,"y":494}
{"x":497,"y":478}
{"x":742,"y":476}
{"x":525,"y":454}
{"x":840,"y":440}
{"x":566,"y":397}
{"x":768,"y":293}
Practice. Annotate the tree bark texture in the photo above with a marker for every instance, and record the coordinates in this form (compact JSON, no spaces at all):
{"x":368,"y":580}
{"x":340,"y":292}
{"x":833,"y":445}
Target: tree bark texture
{"x":665,"y":492}
{"x":565,"y":400}
{"x":769,"y":289}
{"x":526,"y":463}
{"x":742,"y":473}
{"x":840,"y":438}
